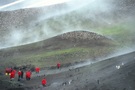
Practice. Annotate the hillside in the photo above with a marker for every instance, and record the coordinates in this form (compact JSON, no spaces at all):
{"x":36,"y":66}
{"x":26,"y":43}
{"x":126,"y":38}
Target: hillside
{"x":67,"y":48}
{"x":17,"y":23}
{"x":103,"y":75}
{"x":46,"y":22}
{"x":87,"y":37}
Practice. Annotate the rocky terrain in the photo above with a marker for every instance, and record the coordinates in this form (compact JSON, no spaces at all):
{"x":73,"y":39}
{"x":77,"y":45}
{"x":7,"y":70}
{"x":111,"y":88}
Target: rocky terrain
{"x":103,"y":75}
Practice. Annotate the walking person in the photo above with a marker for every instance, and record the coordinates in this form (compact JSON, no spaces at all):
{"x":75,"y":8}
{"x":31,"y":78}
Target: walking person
{"x":44,"y":82}
{"x":14,"y":71}
{"x":19,"y":75}
{"x":12,"y":75}
{"x":22,"y":73}
{"x":28,"y":75}
{"x":37,"y":69}
{"x":58,"y":65}
{"x":8,"y":71}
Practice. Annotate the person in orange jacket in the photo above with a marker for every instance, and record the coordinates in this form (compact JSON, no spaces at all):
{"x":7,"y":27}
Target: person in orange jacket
{"x":12,"y":75}
{"x":28,"y":75}
{"x":44,"y":82}
{"x":58,"y":65}
{"x":19,"y":75}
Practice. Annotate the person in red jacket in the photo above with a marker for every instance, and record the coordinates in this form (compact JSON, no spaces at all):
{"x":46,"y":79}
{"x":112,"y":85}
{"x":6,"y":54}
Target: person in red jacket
{"x":19,"y":75}
{"x":44,"y":82}
{"x":37,"y":69}
{"x":8,"y":71}
{"x":28,"y":75}
{"x":12,"y":75}
{"x":14,"y":71}
{"x":58,"y":65}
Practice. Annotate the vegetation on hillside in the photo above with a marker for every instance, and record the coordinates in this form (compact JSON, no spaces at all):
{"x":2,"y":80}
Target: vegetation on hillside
{"x":90,"y":46}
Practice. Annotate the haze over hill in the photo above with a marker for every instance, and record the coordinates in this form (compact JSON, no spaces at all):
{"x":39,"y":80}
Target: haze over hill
{"x":25,"y":26}
{"x":68,"y":48}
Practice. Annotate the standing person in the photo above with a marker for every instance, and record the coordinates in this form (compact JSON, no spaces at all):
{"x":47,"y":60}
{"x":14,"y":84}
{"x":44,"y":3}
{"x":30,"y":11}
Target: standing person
{"x":58,"y":65}
{"x":12,"y":75}
{"x":28,"y":75}
{"x":14,"y":71}
{"x":22,"y":73}
{"x":37,"y":69}
{"x":8,"y":71}
{"x":19,"y":75}
{"x":44,"y":82}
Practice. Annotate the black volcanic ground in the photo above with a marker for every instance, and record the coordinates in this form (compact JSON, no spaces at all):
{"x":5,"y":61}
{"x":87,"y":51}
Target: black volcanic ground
{"x":102,"y":75}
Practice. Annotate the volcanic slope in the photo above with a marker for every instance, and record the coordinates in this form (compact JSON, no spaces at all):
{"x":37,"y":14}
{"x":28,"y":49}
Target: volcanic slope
{"x":102,"y":75}
{"x":66,"y":48}
{"x":36,"y":21}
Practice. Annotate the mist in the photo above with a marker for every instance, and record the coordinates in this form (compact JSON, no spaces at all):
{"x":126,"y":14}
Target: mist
{"x":66,"y":16}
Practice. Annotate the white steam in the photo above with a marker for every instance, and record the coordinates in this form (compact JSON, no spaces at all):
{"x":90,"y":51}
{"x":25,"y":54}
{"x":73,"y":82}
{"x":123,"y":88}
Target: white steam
{"x":16,"y":36}
{"x":99,"y":12}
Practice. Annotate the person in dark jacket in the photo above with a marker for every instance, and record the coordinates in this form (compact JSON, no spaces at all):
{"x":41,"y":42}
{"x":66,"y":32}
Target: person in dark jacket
{"x":19,"y":75}
{"x":22,"y":73}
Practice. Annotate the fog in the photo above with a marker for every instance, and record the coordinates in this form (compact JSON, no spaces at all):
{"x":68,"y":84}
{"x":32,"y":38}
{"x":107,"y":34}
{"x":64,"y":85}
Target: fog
{"x":101,"y":13}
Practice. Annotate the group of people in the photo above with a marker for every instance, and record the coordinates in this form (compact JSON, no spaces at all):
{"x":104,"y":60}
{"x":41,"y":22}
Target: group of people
{"x":12,"y":73}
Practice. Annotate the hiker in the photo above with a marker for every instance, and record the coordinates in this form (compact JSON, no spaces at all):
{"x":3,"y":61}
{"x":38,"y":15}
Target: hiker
{"x":14,"y":71}
{"x":22,"y":74}
{"x":28,"y":75}
{"x":37,"y":69}
{"x":44,"y":82}
{"x":19,"y":75}
{"x":12,"y":75}
{"x":8,"y":71}
{"x":58,"y":65}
